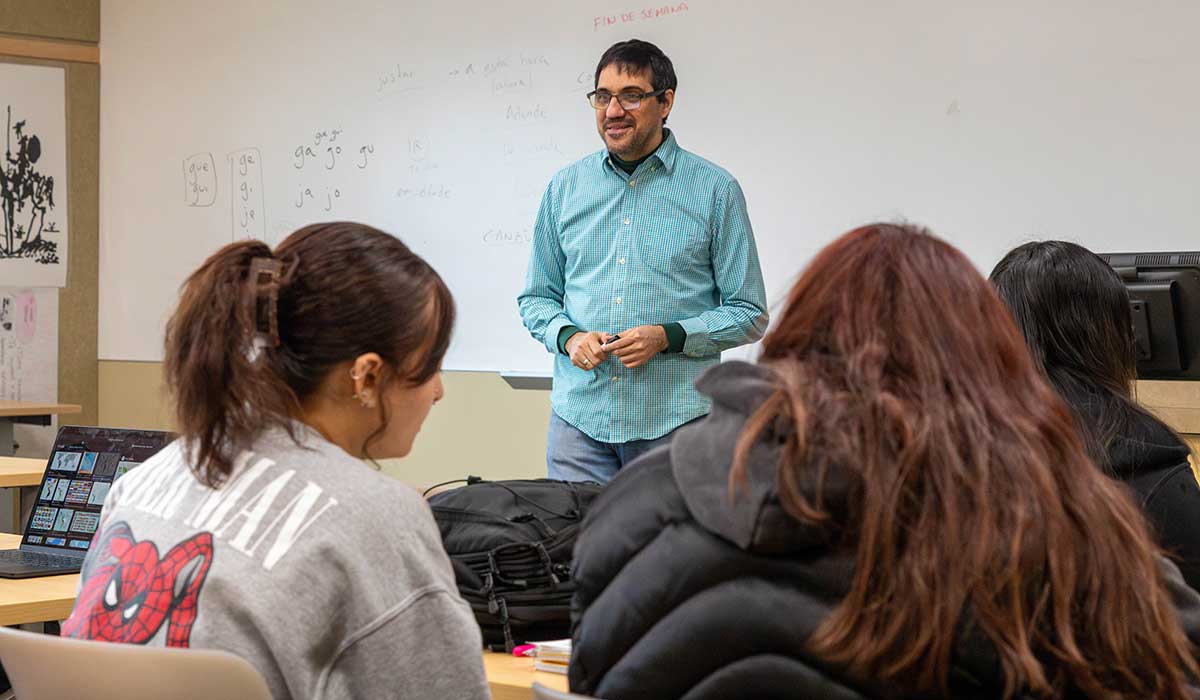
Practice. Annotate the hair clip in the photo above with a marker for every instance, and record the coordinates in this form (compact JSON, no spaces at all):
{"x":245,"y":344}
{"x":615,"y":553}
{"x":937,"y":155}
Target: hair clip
{"x":265,"y":274}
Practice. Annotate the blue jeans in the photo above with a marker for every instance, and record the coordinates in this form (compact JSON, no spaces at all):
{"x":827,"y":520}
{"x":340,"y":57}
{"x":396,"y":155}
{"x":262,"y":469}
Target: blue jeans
{"x":573,"y":456}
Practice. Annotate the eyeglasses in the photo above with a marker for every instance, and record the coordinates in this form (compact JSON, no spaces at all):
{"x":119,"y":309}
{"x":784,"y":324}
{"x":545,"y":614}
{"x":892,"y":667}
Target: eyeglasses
{"x":628,"y":100}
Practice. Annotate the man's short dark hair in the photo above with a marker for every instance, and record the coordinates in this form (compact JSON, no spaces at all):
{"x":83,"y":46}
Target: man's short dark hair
{"x":635,"y":56}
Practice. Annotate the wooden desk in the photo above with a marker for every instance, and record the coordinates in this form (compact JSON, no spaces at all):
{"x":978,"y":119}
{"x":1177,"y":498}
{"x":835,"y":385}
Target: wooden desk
{"x":32,"y":412}
{"x":27,"y":409}
{"x":21,"y":475}
{"x":511,"y":677}
{"x":27,"y":600}
{"x":21,"y":471}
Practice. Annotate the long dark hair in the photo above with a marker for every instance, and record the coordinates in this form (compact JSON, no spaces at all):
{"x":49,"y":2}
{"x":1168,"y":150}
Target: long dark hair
{"x":257,"y":331}
{"x":1075,"y":315}
{"x":972,"y":502}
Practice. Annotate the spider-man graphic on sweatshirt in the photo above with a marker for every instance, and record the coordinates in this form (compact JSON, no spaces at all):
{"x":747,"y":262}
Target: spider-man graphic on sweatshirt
{"x":131,"y":592}
{"x":327,"y":576}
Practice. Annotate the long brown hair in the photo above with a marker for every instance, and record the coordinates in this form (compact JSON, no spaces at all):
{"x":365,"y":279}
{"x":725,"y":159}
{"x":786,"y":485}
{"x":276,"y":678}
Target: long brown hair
{"x":244,"y":350}
{"x":1075,"y":314}
{"x":973,"y":504}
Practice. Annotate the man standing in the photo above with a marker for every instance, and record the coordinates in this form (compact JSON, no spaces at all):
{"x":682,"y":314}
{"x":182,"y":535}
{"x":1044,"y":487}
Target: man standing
{"x":643,"y":270}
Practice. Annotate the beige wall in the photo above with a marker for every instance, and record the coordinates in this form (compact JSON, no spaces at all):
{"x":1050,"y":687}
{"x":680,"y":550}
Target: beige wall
{"x":132,"y":395}
{"x":482,"y":427}
{"x":74,"y":20}
{"x":79,"y":302}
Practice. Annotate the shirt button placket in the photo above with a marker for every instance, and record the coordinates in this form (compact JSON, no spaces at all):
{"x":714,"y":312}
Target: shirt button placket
{"x":627,"y":235}
{"x":624,"y":245}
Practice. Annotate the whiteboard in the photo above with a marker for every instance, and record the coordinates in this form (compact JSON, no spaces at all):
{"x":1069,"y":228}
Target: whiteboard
{"x":991,"y":124}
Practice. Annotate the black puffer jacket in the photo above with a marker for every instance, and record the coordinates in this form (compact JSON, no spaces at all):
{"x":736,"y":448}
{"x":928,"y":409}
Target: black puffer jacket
{"x":681,"y":594}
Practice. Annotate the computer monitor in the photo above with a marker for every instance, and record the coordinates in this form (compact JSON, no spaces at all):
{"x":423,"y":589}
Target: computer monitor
{"x":1164,"y":289}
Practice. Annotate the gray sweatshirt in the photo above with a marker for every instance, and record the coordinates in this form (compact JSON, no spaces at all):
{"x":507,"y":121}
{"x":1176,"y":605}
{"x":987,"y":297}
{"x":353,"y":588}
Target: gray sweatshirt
{"x":327,"y":576}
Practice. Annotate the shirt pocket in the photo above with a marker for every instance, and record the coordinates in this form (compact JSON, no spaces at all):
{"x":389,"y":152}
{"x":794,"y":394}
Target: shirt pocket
{"x":675,"y":246}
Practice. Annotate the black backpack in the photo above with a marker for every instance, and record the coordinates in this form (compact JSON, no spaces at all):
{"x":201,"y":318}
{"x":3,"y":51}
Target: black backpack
{"x":511,"y":543}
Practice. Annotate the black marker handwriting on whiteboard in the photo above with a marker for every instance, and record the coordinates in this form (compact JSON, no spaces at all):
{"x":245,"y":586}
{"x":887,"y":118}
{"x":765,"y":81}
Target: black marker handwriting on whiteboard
{"x":333,"y":152}
{"x":365,"y":151}
{"x":300,"y":155}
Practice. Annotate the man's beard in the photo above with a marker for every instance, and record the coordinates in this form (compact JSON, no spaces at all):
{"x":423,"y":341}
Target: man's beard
{"x":635,"y":144}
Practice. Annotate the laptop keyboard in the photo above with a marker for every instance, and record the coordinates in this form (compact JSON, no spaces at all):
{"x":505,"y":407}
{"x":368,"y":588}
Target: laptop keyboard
{"x":38,"y":559}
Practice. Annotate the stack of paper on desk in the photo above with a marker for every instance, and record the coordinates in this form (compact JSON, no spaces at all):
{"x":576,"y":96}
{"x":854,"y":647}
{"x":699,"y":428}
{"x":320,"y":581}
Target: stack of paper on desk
{"x":553,"y":656}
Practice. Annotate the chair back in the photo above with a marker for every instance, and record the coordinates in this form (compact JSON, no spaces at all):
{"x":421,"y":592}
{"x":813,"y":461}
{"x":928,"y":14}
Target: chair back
{"x":46,"y":667}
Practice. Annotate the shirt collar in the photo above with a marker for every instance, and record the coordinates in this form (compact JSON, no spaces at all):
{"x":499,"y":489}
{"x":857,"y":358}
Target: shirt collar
{"x":665,"y":153}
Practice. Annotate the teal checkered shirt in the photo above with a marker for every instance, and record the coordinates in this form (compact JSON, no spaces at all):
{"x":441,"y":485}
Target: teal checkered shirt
{"x":670,"y":243}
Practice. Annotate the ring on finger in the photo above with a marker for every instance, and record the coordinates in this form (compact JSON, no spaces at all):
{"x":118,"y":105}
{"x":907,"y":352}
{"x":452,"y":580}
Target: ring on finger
{"x":587,"y":362}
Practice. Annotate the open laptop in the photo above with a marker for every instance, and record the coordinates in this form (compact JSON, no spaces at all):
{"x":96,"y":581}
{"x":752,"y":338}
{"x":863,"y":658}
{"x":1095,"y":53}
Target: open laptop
{"x":82,"y":468}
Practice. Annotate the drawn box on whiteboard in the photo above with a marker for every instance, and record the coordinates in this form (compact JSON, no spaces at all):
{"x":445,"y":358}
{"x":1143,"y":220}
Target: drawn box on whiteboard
{"x":199,"y":180}
{"x":246,"y":195}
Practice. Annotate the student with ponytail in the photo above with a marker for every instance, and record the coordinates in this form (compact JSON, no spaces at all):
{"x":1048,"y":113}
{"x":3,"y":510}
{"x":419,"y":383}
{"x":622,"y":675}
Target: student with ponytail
{"x":261,"y":531}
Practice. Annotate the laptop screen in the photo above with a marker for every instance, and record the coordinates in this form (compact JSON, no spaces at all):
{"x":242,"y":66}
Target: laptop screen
{"x":83,"y":466}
